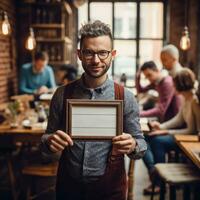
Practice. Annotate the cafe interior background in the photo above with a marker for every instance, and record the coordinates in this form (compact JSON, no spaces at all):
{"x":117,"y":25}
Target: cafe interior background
{"x":140,"y":29}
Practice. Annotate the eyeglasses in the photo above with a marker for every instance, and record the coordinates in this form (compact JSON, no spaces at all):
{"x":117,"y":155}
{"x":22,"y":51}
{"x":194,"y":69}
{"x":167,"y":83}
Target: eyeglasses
{"x":89,"y":54}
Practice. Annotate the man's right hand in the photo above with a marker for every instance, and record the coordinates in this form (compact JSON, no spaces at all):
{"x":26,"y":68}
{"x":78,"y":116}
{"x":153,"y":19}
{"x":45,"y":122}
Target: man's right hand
{"x":58,"y":141}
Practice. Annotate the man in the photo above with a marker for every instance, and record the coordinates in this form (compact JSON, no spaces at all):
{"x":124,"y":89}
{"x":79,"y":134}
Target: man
{"x":168,"y":102}
{"x":95,"y":169}
{"x":170,"y":59}
{"x":37,"y":77}
{"x":166,"y":107}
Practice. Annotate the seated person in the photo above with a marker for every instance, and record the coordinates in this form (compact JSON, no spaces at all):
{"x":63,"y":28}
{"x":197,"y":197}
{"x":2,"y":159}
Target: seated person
{"x":37,"y":77}
{"x":168,"y":102}
{"x":66,"y":73}
{"x":69,"y":77}
{"x":170,"y":59}
{"x":163,"y":140}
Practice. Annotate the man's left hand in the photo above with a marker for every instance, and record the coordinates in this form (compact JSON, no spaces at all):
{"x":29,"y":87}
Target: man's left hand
{"x":123,"y":144}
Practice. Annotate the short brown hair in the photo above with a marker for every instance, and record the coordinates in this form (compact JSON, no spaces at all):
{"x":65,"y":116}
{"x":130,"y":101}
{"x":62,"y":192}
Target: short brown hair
{"x":184,"y":80}
{"x":94,"y":29}
{"x":41,"y":55}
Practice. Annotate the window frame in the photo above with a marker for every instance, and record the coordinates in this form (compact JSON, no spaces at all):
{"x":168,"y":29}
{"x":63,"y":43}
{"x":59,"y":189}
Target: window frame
{"x":137,"y":39}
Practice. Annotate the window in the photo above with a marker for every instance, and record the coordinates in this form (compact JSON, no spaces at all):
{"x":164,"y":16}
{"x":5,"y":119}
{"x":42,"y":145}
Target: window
{"x":138,"y":31}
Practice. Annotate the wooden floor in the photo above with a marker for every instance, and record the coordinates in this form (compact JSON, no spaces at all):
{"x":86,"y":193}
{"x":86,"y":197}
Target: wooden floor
{"x":141,"y":181}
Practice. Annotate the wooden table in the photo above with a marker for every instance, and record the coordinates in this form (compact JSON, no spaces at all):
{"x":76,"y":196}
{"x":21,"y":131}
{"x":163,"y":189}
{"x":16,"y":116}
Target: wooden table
{"x":190,"y":145}
{"x":21,"y":134}
{"x":186,"y":138}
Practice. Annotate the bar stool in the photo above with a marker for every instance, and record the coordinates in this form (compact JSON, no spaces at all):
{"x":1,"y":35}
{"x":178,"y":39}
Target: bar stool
{"x":39,"y":170}
{"x":176,"y":174}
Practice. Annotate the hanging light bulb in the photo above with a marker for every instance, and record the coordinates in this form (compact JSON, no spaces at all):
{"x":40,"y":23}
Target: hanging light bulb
{"x":30,"y":42}
{"x":185,"y":39}
{"x":5,"y":27}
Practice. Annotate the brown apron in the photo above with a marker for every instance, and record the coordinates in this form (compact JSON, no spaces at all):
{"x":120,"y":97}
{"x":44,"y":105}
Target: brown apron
{"x":111,"y":186}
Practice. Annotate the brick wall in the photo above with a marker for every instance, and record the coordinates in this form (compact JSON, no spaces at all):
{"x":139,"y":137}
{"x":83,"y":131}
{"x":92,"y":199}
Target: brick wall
{"x":8,"y":70}
{"x":177,"y":22}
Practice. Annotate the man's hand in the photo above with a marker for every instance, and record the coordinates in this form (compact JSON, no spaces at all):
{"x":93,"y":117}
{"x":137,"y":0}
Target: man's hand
{"x":123,"y":144}
{"x":43,"y":89}
{"x":154,"y":125}
{"x":58,"y":141}
{"x":158,"y":132}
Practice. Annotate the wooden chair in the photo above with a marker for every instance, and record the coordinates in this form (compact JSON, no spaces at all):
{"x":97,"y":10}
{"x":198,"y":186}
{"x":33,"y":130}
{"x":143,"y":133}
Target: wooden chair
{"x":176,"y":174}
{"x":130,"y":179}
{"x":39,"y":170}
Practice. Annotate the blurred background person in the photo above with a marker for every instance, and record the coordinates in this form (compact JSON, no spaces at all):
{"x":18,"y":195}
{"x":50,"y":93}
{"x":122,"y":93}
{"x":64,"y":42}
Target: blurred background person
{"x":166,"y":107}
{"x":123,"y":79}
{"x":170,"y":59}
{"x":168,"y":102}
{"x":37,"y":77}
{"x":66,"y":74}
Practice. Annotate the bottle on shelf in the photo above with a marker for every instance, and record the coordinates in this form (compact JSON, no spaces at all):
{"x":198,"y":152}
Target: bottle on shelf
{"x":44,"y":16}
{"x":58,"y":53}
{"x":38,"y":15}
{"x":52,"y":53}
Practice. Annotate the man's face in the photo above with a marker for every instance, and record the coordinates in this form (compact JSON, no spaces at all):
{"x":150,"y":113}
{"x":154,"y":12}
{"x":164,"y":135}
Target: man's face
{"x":94,"y":66}
{"x":39,"y":65}
{"x":167,"y":60}
{"x":151,"y":75}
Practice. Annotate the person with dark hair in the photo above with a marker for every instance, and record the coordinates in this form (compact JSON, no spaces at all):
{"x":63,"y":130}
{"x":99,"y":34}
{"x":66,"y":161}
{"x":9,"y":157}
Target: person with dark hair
{"x":66,"y":73}
{"x":93,"y":169}
{"x":166,"y":107}
{"x":37,"y":77}
{"x":168,"y":102}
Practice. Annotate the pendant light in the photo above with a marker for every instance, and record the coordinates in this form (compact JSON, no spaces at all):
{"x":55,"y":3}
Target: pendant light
{"x":30,"y":42}
{"x":5,"y":26}
{"x":185,"y":38}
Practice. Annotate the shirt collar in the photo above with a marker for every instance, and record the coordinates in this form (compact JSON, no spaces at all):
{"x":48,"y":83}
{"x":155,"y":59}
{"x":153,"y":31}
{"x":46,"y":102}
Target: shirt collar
{"x":99,"y":89}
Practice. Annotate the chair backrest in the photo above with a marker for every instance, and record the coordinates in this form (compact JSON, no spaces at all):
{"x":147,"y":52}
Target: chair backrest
{"x":41,"y":170}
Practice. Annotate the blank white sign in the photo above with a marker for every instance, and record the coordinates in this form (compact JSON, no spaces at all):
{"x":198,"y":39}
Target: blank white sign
{"x":94,"y":121}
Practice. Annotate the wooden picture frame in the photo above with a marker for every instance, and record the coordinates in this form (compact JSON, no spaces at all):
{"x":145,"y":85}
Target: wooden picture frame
{"x":94,"y":119}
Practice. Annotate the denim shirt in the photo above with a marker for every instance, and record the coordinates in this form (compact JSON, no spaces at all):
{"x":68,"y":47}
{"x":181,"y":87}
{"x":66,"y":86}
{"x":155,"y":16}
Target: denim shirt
{"x":89,"y":158}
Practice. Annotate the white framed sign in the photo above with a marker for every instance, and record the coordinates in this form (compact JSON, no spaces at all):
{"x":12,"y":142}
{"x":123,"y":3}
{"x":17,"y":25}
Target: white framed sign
{"x":93,"y":119}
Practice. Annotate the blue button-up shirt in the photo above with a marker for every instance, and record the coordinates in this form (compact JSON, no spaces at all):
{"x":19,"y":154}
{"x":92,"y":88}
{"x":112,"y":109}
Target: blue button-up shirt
{"x":89,"y":158}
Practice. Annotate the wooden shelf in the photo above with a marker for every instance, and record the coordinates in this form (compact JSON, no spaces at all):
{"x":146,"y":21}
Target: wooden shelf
{"x":65,"y":39}
{"x":65,"y":5}
{"x":59,"y":62}
{"x":48,"y":25}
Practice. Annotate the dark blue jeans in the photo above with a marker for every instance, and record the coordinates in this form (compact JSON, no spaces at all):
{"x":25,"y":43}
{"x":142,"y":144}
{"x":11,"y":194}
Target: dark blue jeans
{"x":149,"y":157}
{"x":158,"y":146}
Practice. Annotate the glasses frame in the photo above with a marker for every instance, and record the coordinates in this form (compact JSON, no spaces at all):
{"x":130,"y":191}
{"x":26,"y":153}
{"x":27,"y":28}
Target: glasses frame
{"x":96,"y":53}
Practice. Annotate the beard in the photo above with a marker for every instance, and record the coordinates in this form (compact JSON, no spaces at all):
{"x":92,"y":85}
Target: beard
{"x":95,"y":71}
